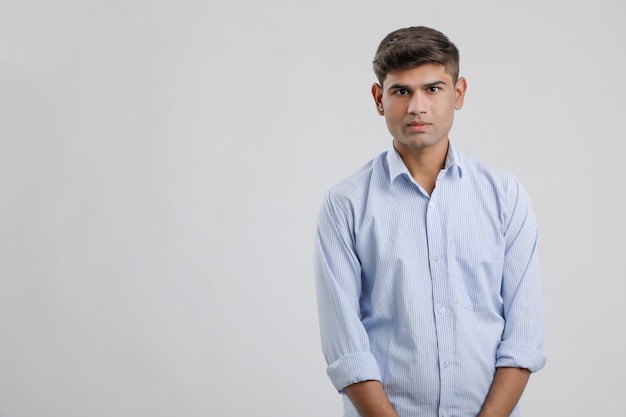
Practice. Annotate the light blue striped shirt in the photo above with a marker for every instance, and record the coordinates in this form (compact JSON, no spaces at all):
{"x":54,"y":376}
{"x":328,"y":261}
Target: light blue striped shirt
{"x":428,"y":293}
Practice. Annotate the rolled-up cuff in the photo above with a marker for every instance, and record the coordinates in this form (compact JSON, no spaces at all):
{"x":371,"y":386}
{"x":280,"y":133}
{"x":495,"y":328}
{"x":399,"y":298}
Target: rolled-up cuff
{"x":353,"y":368}
{"x":514,"y":354}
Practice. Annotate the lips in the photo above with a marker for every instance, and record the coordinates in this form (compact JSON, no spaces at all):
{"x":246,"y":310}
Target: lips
{"x":418,"y":125}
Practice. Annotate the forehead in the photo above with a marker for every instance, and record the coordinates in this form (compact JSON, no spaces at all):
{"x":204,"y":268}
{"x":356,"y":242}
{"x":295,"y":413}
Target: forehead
{"x":420,"y":75}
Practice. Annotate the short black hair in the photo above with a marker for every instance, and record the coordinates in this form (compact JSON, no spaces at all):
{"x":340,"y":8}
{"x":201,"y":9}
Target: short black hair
{"x":411,"y":47}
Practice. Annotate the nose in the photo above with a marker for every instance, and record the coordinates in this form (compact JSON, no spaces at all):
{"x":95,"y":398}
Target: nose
{"x":418,"y":103}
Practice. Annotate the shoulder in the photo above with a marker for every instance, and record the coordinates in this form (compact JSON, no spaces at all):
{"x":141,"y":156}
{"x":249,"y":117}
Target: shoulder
{"x":498,"y":187}
{"x":355,"y":187}
{"x":488,"y":176}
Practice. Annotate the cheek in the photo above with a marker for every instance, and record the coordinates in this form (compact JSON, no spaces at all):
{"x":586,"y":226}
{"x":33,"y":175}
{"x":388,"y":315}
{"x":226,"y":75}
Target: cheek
{"x":393,"y":112}
{"x":446,"y":110}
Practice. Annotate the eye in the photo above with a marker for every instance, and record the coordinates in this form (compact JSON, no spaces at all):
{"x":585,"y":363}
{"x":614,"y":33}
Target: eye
{"x":433,"y":89}
{"x":402,"y":91}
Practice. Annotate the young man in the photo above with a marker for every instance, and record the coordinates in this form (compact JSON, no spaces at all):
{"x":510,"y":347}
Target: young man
{"x":426,"y":270}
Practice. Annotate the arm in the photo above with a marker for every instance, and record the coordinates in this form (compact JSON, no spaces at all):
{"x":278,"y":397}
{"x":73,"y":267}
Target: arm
{"x":521,"y":287}
{"x":505,"y":392}
{"x":370,"y":399}
{"x":345,"y":341}
{"x":520,"y":352}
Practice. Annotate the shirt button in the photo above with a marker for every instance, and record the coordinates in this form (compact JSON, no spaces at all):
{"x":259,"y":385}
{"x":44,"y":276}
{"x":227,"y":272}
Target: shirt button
{"x":442,"y":310}
{"x":444,"y":414}
{"x":431,"y":205}
{"x":437,"y":257}
{"x":446,"y":364}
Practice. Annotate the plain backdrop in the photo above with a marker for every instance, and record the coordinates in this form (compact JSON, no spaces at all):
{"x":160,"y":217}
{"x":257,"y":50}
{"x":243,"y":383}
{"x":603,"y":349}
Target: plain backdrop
{"x":162,"y":164}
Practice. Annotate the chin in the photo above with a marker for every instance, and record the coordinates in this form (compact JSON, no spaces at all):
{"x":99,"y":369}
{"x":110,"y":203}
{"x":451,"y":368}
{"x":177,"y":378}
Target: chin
{"x":421,"y":143}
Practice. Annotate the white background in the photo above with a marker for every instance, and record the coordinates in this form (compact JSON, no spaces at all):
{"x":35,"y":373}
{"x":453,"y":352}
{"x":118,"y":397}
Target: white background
{"x":162,"y":164}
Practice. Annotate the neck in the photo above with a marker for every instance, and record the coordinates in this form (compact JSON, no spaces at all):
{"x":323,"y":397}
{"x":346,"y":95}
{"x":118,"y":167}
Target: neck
{"x":424,"y":163}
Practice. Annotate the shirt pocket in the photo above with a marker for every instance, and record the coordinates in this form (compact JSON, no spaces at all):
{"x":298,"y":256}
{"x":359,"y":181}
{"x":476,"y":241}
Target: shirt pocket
{"x":476,"y":272}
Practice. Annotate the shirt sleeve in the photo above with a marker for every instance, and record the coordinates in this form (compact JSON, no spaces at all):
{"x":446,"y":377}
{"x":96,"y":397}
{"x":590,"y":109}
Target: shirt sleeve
{"x":345,"y":343}
{"x":521,"y":287}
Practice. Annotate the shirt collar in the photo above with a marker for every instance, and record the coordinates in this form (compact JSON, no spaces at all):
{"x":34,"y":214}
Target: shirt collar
{"x":397,"y":167}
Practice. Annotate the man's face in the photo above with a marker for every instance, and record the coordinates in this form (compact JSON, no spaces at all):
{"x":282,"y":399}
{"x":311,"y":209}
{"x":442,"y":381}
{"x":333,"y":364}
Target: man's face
{"x":418,"y":105}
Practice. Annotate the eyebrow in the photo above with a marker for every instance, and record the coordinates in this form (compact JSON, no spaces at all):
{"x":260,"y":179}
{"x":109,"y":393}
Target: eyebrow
{"x":407,"y":87}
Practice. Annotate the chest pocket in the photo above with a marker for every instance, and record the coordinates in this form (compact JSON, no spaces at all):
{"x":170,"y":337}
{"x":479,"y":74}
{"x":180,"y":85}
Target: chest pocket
{"x":477,"y":274}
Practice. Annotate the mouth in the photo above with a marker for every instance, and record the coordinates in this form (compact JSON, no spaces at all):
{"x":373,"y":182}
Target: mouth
{"x":418,"y":126}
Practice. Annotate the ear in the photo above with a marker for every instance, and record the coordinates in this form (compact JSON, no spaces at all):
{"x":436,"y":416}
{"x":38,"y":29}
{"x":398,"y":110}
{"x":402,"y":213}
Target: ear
{"x":377,"y":93}
{"x":459,"y":89}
